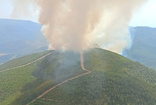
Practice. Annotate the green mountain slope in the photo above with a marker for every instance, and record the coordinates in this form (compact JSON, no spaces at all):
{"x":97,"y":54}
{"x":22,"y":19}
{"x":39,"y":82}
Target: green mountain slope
{"x":143,"y":47}
{"x":23,"y":60}
{"x":19,"y":86}
{"x":114,"y":80}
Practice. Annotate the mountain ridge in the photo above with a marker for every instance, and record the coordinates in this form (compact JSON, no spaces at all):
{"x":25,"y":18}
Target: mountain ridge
{"x":20,"y":37}
{"x":143,"y":46}
{"x":114,"y":79}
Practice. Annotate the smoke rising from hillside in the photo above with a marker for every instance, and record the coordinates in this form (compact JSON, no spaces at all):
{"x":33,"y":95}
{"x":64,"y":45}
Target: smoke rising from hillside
{"x":82,"y":24}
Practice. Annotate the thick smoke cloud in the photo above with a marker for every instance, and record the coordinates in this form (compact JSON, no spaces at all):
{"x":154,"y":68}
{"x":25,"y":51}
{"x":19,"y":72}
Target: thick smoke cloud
{"x":81,"y":24}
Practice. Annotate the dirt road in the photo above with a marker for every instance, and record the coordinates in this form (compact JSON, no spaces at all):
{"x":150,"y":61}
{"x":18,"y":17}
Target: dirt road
{"x":27,"y":63}
{"x":82,"y":66}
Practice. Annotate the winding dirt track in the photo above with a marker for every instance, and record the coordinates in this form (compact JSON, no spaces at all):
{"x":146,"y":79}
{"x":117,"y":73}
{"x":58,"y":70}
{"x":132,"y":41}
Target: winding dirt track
{"x":82,"y":66}
{"x":27,"y":63}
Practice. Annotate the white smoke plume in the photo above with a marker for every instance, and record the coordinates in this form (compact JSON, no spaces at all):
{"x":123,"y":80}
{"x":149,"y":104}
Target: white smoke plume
{"x":81,"y":24}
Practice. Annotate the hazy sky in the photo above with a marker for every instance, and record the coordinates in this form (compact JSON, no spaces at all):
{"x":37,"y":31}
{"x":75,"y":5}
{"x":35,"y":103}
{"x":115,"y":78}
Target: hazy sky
{"x":145,"y":16}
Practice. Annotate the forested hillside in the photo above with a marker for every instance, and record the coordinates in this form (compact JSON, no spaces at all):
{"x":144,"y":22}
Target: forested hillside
{"x":114,"y":80}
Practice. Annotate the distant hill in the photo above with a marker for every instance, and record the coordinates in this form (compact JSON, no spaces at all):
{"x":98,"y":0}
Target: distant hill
{"x":143,"y":47}
{"x":114,"y":80}
{"x":20,"y":37}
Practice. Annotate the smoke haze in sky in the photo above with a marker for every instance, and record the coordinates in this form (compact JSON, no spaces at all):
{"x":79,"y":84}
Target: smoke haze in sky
{"x":81,"y":24}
